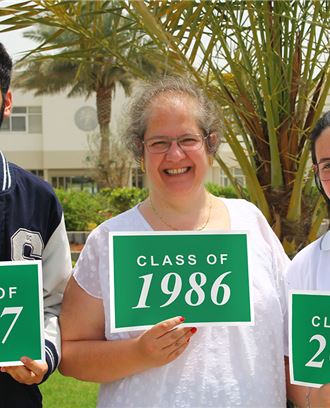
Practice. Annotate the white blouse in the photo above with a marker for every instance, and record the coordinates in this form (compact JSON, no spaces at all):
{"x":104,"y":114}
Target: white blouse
{"x":223,"y":366}
{"x":310,"y":268}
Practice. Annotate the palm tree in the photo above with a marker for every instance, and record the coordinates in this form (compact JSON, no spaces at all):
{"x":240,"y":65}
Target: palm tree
{"x":79,"y":66}
{"x":266,"y":63}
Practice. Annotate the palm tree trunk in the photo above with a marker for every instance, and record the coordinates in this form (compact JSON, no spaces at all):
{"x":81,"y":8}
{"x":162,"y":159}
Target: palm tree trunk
{"x":103,"y":107}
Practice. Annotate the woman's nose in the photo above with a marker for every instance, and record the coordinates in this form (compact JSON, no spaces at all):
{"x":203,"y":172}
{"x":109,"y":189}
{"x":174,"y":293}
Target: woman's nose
{"x":175,"y":152}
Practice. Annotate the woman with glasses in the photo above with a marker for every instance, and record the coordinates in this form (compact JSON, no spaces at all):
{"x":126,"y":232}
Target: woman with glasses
{"x":173,"y":132}
{"x":310,"y":269}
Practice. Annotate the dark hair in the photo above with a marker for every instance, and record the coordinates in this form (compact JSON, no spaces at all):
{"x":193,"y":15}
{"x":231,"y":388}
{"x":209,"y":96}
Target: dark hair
{"x":6,"y":65}
{"x":139,"y":109}
{"x":322,"y":124}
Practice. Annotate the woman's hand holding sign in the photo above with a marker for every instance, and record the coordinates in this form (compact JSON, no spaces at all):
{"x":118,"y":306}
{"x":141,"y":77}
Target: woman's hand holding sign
{"x":110,"y":360}
{"x":164,"y":342}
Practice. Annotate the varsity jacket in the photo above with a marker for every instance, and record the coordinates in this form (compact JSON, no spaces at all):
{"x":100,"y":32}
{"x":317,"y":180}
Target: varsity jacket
{"x":32,"y":227}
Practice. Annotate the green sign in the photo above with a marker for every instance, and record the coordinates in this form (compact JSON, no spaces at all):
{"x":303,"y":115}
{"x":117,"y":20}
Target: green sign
{"x":158,"y":275}
{"x":21,"y":312}
{"x":309,"y":337}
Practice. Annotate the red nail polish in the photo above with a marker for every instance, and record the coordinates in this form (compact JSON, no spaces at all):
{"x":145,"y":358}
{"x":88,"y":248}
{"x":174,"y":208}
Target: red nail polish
{"x":181,"y":319}
{"x":193,"y":330}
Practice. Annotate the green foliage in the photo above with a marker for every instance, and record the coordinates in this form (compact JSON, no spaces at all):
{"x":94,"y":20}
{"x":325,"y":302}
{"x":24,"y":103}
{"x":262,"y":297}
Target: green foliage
{"x":220,"y":191}
{"x":64,"y":392}
{"x":82,"y":211}
{"x":265,"y":63}
{"x":123,"y":198}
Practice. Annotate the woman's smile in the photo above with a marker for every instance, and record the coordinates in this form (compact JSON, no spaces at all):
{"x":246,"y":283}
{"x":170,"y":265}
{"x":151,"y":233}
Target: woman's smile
{"x":176,"y":172}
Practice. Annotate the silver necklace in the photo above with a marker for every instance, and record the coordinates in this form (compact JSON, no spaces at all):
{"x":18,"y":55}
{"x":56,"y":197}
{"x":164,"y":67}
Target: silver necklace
{"x":177,"y":229}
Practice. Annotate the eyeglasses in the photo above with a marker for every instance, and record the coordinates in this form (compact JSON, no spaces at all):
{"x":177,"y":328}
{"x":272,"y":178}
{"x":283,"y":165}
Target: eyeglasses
{"x":162,"y":144}
{"x":322,"y":169}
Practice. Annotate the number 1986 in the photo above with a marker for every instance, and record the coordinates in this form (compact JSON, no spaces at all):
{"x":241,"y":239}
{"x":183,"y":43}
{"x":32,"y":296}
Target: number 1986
{"x":195,"y":287}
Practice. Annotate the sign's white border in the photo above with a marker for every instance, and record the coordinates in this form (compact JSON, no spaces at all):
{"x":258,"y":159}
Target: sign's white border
{"x":41,"y":311}
{"x":114,"y":329}
{"x":291,"y":294}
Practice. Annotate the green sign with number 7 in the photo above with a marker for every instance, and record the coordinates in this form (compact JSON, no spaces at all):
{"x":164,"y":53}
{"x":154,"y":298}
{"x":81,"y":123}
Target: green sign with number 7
{"x":309,"y":337}
{"x":202,"y":276}
{"x":21,"y":312}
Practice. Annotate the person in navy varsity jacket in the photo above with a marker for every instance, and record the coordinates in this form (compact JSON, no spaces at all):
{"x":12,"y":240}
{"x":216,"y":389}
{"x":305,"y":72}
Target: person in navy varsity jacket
{"x":31,"y":227}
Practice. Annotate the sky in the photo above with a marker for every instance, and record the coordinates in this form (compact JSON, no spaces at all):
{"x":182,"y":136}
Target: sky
{"x":15,"y":43}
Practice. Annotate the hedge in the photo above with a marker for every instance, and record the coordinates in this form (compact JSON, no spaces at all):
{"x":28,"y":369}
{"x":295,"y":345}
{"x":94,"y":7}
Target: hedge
{"x":83,"y":211}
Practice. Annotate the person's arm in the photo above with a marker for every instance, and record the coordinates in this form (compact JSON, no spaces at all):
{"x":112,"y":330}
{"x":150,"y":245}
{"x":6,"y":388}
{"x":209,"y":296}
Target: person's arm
{"x":306,"y":397}
{"x":56,"y":268}
{"x":86,"y":355}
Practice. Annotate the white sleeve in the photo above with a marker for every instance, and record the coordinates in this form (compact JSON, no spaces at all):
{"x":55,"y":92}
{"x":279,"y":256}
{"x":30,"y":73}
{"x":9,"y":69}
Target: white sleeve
{"x":302,"y":272}
{"x":56,"y":268}
{"x":281,"y":264}
{"x":86,"y":271}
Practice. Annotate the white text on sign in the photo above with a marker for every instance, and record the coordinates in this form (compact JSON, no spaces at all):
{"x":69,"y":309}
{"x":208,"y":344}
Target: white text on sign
{"x":177,"y":286}
{"x":12,"y":290}
{"x":16,"y":311}
{"x":318,"y":321}
{"x":179,"y":260}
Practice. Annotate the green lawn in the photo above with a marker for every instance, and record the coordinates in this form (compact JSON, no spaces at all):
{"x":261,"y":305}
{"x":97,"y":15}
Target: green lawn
{"x":64,"y":392}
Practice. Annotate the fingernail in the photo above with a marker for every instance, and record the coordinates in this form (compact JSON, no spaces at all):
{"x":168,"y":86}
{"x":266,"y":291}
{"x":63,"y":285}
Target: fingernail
{"x":181,"y":319}
{"x":193,"y":330}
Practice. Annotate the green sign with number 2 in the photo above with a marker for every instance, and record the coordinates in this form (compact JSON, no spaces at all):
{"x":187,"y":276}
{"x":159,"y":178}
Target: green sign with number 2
{"x":158,"y":275}
{"x":309,"y":337}
{"x":21,"y":312}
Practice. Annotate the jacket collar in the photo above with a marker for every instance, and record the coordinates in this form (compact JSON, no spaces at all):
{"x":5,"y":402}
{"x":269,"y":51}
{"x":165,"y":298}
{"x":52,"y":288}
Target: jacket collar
{"x":5,"y":176}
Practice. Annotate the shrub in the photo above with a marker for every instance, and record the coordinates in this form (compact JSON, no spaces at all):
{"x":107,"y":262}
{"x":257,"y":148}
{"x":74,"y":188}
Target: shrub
{"x":82,"y":210}
{"x":221,"y":191}
{"x":123,"y":198}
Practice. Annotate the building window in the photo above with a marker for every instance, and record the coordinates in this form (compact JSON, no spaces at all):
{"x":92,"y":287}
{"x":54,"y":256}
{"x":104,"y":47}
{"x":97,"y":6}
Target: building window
{"x":239,"y":176}
{"x":137,"y":177}
{"x":224,"y":181}
{"x":24,"y":119}
{"x":75,"y":183}
{"x":39,"y":173}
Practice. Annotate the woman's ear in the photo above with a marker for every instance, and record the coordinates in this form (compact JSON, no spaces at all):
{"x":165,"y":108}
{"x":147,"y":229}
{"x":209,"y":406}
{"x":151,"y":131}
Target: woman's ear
{"x":213,"y":139}
{"x":8,"y":104}
{"x":212,"y":143}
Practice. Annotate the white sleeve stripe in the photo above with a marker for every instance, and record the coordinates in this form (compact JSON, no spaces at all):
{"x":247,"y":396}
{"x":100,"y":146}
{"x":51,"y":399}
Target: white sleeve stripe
{"x":51,"y":357}
{"x":6,"y":182}
{"x":4,"y":171}
{"x":8,"y":173}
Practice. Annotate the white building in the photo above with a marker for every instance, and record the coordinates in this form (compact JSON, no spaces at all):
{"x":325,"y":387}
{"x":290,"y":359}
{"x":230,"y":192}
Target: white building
{"x":50,"y":136}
